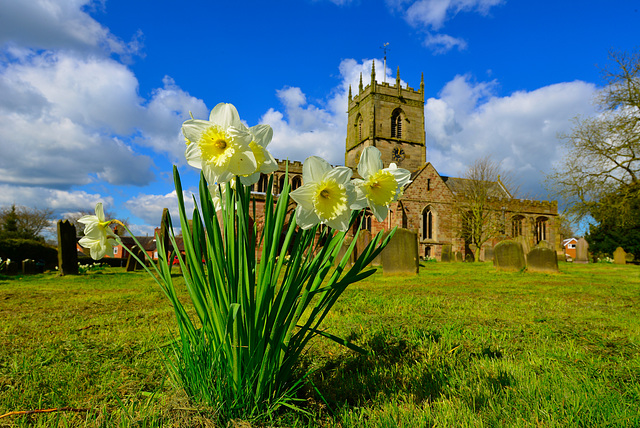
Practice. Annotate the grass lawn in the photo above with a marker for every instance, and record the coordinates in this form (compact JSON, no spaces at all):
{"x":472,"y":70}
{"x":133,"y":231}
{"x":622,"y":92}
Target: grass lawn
{"x":459,"y":345}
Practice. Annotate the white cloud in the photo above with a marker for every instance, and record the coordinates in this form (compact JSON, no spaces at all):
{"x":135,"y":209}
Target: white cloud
{"x":468,"y":121}
{"x":60,"y":201}
{"x":149,"y":207}
{"x":305,"y":129}
{"x":58,"y":24}
{"x":442,"y":43}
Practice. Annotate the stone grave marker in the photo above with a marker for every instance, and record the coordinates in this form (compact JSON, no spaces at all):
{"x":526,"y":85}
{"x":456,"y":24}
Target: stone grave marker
{"x":469,"y":258}
{"x":345,"y":246}
{"x":28,"y":267}
{"x":132,"y":263}
{"x":67,"y":248}
{"x":582,"y":251}
{"x":619,"y":256}
{"x":542,"y":259}
{"x":524,"y":244}
{"x":446,"y":255}
{"x":488,"y":254}
{"x":629,"y":257}
{"x":508,"y":256}
{"x":364,"y":238}
{"x":401,"y":256}
{"x":458,"y":257}
{"x":544,"y":244}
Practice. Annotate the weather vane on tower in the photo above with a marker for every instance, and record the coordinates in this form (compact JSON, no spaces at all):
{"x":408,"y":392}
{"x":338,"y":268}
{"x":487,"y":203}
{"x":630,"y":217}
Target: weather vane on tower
{"x":385,"y":49}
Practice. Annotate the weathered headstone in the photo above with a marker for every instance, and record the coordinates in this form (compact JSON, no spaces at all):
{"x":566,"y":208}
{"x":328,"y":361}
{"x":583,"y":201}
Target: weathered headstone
{"x":524,"y":244}
{"x":28,"y":267}
{"x":619,"y":256}
{"x":446,"y":254}
{"x":400,"y":256}
{"x":459,"y":257}
{"x":629,"y":257}
{"x":364,"y":239}
{"x":542,"y":259}
{"x":582,"y":251}
{"x":508,"y":255}
{"x":488,"y":254}
{"x":67,"y":248}
{"x":544,"y":244}
{"x":132,"y":263}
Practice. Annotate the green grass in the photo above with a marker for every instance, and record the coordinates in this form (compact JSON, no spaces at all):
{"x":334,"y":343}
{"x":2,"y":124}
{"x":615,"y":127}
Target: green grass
{"x":460,"y":345}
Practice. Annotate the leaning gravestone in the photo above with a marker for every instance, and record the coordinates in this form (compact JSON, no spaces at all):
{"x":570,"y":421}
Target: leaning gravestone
{"x":508,"y":256}
{"x":28,"y":267}
{"x":582,"y":251}
{"x":619,"y":256}
{"x":132,"y":263}
{"x":446,"y":255}
{"x":400,"y":256}
{"x":67,"y":248}
{"x":542,"y":259}
{"x":524,"y":244}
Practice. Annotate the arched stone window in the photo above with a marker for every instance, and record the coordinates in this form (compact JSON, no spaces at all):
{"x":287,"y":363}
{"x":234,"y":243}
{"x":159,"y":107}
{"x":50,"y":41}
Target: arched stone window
{"x":366,"y":224}
{"x":541,"y":229}
{"x":396,"y":123}
{"x":281,"y":183}
{"x":427,"y":223}
{"x":516,"y":226}
{"x":296,"y":182}
{"x":263,"y":183}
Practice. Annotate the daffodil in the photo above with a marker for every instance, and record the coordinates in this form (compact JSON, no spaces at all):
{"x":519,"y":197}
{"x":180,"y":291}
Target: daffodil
{"x":98,"y":236}
{"x":220,"y":146}
{"x":326,"y":195}
{"x":265,"y":162}
{"x":378,"y":187}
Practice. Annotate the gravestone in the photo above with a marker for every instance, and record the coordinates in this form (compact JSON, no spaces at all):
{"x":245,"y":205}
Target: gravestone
{"x":469,"y":258}
{"x":343,"y":250}
{"x":132,"y":263}
{"x":629,"y":257}
{"x":488,"y":254}
{"x":508,"y":256}
{"x":619,"y":256}
{"x":400,"y":256}
{"x":12,"y":268}
{"x":446,"y":254}
{"x":542,"y":259}
{"x":67,"y":248}
{"x":582,"y":251}
{"x":459,"y":257}
{"x":28,"y":267}
{"x":364,"y":239}
{"x":544,"y":244}
{"x":524,"y":244}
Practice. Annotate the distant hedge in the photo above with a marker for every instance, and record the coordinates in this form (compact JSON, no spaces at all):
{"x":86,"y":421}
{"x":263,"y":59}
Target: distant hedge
{"x":21,"y":249}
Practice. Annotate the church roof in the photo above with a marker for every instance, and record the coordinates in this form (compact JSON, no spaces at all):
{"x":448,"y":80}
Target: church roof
{"x":458,"y":185}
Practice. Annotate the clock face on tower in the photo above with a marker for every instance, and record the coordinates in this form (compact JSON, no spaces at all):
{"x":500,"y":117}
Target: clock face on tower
{"x":397,"y":154}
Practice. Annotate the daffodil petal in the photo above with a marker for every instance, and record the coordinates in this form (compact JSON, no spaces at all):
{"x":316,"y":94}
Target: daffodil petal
{"x":379,"y":211}
{"x":370,"y":161}
{"x":314,"y":169}
{"x":88,"y":219}
{"x":262,"y":134}
{"x":341,"y":222}
{"x":304,"y":195}
{"x":100,"y":211}
{"x":306,"y":219}
{"x":341,"y":174}
{"x":360,"y":200}
{"x":193,"y":156}
{"x":194,"y":128}
{"x":251,"y":179}
{"x":242,"y":163}
{"x":226,"y":115}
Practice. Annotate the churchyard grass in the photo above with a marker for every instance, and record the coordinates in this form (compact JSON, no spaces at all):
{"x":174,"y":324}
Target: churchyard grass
{"x":459,"y":345}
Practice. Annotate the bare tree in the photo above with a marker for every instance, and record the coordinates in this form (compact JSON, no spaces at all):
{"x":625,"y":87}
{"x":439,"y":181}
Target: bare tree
{"x":24,"y":222}
{"x":599,"y":174}
{"x":480,"y":197}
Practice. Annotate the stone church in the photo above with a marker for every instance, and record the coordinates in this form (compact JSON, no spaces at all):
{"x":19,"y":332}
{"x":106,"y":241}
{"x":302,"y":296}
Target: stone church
{"x":391,"y":118}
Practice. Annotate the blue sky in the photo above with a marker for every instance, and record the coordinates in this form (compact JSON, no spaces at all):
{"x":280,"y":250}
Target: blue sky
{"x":93,"y":93}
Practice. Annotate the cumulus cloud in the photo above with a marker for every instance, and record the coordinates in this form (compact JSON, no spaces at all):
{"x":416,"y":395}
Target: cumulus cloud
{"x":431,"y":16}
{"x":468,"y":121}
{"x":58,"y":24}
{"x":303,"y":129}
{"x":60,"y":201}
{"x":149,"y":207}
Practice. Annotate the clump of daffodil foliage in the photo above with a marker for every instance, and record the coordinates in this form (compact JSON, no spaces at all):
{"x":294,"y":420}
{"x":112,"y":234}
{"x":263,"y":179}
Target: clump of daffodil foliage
{"x":243,"y":330}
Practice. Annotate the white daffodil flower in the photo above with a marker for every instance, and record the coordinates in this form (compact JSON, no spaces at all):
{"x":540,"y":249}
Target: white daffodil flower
{"x":98,"y":236}
{"x":326,"y":195}
{"x":265,"y":162}
{"x":221,"y":146}
{"x":378,"y":187}
{"x":219,"y":193}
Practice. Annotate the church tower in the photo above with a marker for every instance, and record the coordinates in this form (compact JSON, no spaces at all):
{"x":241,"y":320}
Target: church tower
{"x":390,"y":118}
